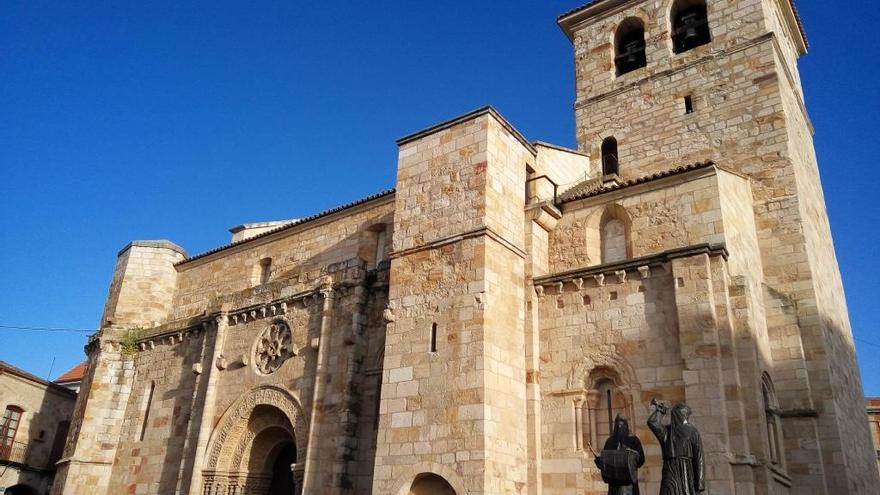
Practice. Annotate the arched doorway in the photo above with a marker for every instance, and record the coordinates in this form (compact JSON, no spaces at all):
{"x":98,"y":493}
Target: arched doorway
{"x":20,"y":490}
{"x":282,"y":478}
{"x":254,"y":448}
{"x":430,"y":484}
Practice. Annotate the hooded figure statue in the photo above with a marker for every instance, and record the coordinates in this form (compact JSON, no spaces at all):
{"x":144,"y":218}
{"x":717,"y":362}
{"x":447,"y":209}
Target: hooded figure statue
{"x":621,"y":457}
{"x":683,"y":468}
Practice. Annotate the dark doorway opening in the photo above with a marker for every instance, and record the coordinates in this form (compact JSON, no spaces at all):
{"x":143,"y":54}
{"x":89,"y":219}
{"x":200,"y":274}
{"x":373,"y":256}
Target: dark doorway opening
{"x":20,"y":490}
{"x":282,"y":477}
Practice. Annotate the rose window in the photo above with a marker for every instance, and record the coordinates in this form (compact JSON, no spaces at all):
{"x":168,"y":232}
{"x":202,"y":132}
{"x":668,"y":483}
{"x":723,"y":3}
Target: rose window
{"x":273,"y":347}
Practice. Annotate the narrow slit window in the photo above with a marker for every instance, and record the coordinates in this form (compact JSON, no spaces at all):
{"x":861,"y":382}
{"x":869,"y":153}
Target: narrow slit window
{"x":148,"y":403}
{"x":265,"y":270}
{"x":610,"y":163}
{"x":433,"y":337}
{"x":380,"y":247}
{"x":688,"y":104}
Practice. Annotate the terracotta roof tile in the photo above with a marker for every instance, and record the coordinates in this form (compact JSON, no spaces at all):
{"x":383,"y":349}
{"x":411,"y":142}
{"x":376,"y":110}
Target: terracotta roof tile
{"x":590,"y":188}
{"x":73,"y":374}
{"x":290,"y":225}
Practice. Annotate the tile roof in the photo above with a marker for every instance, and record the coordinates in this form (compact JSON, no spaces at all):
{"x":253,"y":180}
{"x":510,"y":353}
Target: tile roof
{"x":593,"y":187}
{"x":286,"y":226}
{"x":73,"y":374}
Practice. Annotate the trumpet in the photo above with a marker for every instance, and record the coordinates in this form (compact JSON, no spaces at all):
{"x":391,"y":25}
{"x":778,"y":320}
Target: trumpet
{"x":663,"y":408}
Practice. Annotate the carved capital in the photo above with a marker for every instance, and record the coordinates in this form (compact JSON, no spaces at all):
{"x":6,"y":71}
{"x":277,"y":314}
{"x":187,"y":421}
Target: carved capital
{"x":388,"y":315}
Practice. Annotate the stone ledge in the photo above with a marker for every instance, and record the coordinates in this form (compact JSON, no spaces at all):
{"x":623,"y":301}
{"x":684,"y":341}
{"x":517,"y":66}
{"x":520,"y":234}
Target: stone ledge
{"x":633,"y":264}
{"x":159,"y":244}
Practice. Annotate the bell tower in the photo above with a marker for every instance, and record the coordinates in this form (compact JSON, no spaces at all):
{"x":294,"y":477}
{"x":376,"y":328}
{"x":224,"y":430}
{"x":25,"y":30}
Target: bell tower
{"x":674,"y":82}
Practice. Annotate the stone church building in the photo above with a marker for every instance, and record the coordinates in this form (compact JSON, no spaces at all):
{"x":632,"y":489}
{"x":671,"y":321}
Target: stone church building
{"x":473,"y":330}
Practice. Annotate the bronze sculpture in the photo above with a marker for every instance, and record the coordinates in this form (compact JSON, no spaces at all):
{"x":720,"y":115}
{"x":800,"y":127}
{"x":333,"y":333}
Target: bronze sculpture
{"x":620,"y":459}
{"x":683,"y":467}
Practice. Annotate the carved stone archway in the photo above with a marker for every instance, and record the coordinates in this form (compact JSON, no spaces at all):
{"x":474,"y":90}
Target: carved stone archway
{"x":420,"y":470}
{"x":239,"y":448}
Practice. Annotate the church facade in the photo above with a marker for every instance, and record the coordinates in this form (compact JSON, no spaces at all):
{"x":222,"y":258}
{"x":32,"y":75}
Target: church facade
{"x":475,"y":329}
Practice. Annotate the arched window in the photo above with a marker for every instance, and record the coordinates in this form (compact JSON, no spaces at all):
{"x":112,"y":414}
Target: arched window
{"x":8,"y":428}
{"x":605,"y":400}
{"x":690,"y":25}
{"x":610,"y":164}
{"x":772,"y":420}
{"x":629,"y":46}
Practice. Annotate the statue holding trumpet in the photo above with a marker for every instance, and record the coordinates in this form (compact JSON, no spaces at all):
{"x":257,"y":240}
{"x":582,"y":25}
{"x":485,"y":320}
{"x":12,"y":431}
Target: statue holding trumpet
{"x":683,"y":466}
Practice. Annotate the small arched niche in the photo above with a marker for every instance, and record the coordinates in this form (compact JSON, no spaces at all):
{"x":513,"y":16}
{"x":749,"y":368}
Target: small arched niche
{"x":430,"y":484}
{"x":689,"y":24}
{"x":608,"y":235}
{"x":629,"y":46}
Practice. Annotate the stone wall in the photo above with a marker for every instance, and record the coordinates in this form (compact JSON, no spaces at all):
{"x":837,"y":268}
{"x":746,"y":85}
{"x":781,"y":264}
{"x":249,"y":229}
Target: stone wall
{"x":455,"y":409}
{"x":46,"y":411}
{"x":156,"y":420}
{"x":95,"y":429}
{"x":143,"y":284}
{"x":302,"y":249}
{"x":749,"y":117}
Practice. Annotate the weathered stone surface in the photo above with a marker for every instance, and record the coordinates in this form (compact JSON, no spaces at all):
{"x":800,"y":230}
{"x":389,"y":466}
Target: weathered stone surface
{"x":469,"y":333}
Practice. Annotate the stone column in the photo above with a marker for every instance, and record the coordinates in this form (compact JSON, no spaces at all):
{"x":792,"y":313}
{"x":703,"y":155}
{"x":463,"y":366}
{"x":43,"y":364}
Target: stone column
{"x":310,"y":476}
{"x":209,"y":400}
{"x":298,"y":471}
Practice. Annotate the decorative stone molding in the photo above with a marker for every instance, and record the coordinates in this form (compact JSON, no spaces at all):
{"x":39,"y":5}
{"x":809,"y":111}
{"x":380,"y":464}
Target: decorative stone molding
{"x":233,"y":425}
{"x":621,"y":276}
{"x":272,"y":348}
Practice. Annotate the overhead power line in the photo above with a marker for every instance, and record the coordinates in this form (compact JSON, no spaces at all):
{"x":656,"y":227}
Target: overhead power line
{"x":48,"y":329}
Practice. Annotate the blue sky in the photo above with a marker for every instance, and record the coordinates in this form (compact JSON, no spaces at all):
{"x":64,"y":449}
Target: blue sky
{"x":178,"y":120}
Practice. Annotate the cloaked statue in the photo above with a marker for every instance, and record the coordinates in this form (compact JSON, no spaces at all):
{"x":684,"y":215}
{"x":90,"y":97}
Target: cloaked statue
{"x":620,"y":460}
{"x":683,"y":467}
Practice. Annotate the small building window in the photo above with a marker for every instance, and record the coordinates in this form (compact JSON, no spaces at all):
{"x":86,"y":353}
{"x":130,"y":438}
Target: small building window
{"x":605,"y":400}
{"x":772,"y":421}
{"x":433,"y":346}
{"x":8,"y":428}
{"x":629,"y":43}
{"x":147,"y":404}
{"x":690,"y":25}
{"x":381,"y":238}
{"x":610,"y":164}
{"x":688,"y":104}
{"x":265,"y":270}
